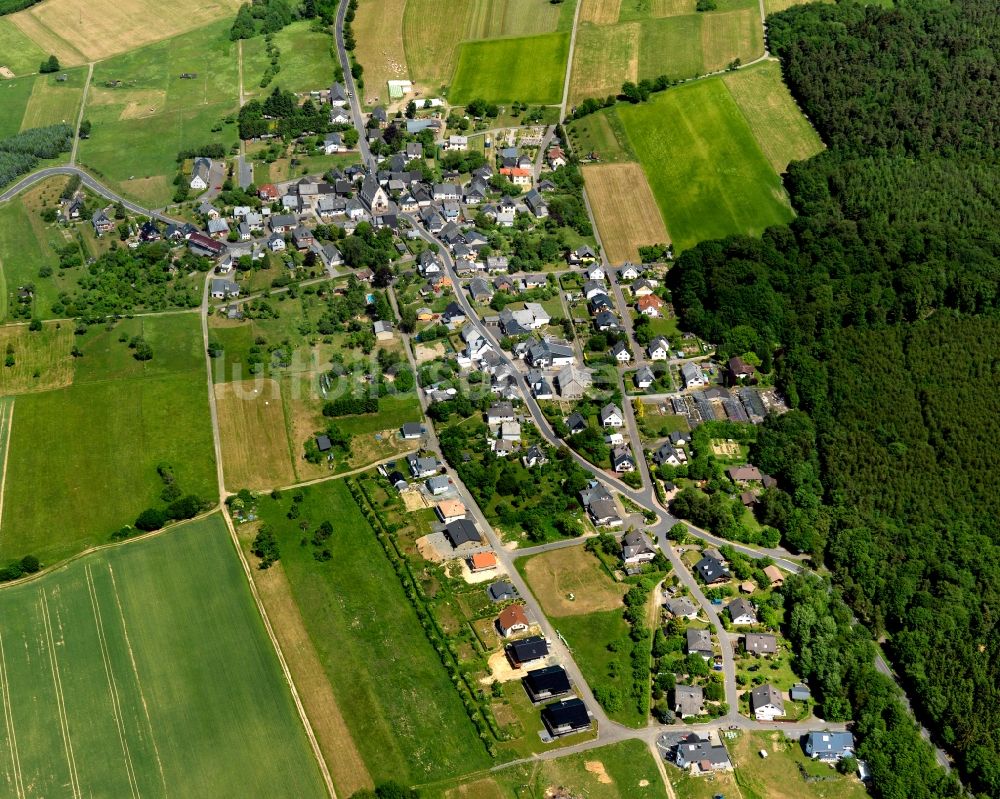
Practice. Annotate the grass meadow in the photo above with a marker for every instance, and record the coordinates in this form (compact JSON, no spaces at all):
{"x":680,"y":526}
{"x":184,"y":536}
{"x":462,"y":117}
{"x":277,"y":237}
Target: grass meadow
{"x":256,"y":452}
{"x":144,"y":670}
{"x":14,"y":97}
{"x":17,"y":52}
{"x":783,"y":132}
{"x":78,"y":31}
{"x":140,"y":126}
{"x":529,"y":69}
{"x":623,"y":770}
{"x":307,"y":61}
{"x":378,"y":29}
{"x":704,"y":166}
{"x":53,"y":101}
{"x":401,"y":710}
{"x":83,"y":458}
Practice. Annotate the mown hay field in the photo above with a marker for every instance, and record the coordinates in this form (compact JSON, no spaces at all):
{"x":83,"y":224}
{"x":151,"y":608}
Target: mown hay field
{"x":625,"y":210}
{"x":529,"y":69}
{"x":78,"y":31}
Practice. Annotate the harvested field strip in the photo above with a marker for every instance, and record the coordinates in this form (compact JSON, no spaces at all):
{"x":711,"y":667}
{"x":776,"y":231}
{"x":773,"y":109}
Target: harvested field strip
{"x":600,"y":12}
{"x":46,"y":39}
{"x":781,"y":130}
{"x":430,"y":54}
{"x":605,"y":57}
{"x":625,"y":210}
{"x":255,"y":451}
{"x":378,"y":28}
{"x":729,"y":35}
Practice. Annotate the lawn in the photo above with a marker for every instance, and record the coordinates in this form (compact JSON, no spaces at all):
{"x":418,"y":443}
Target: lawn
{"x":554,"y":576}
{"x":781,"y":130}
{"x":779,"y":776}
{"x":112,"y":691}
{"x":83,"y":458}
{"x":706,"y":171}
{"x":140,"y":126}
{"x":14,"y":97}
{"x":78,"y":31}
{"x":625,"y":210}
{"x":402,"y":711}
{"x":529,"y":69}
{"x":623,"y":770}
{"x":20,"y":55}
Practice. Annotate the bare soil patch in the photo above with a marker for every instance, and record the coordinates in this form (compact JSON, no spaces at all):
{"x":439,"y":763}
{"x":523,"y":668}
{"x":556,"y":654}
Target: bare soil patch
{"x":596,"y":767}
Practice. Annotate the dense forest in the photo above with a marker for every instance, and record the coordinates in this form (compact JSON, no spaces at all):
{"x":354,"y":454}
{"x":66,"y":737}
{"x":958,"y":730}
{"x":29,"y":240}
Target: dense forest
{"x":879,"y":303}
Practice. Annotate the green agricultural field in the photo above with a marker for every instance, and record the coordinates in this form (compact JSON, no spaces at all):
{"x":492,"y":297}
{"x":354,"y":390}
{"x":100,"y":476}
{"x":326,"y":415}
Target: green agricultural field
{"x":145,"y":670}
{"x":115,"y":424}
{"x":14,"y":96}
{"x":403,"y":713}
{"x":672,"y":47}
{"x":17,"y":52}
{"x":605,"y":57}
{"x":707,"y":172}
{"x":623,"y":770}
{"x":53,"y":101}
{"x":141,"y":125}
{"x":529,"y":69}
{"x":783,"y":132}
{"x":602,"y":134}
{"x":430,"y":52}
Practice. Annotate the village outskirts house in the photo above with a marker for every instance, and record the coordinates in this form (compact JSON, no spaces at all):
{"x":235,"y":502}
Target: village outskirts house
{"x":766,"y":703}
{"x":201,"y":173}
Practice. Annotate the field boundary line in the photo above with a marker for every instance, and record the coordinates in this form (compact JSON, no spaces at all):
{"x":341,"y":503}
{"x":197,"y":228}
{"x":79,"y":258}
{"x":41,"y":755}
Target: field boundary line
{"x":8,"y":717}
{"x":138,"y":682}
{"x":112,"y":684}
{"x":74,"y":779}
{"x":351,"y":473}
{"x":6,"y":426}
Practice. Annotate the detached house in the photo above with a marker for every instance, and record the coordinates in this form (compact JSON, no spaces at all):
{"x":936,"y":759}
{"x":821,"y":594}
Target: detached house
{"x":741,"y":612}
{"x":201,"y":174}
{"x":513,"y":620}
{"x":766,"y":703}
{"x":636,"y":549}
{"x":659,"y":349}
{"x":611,"y":416}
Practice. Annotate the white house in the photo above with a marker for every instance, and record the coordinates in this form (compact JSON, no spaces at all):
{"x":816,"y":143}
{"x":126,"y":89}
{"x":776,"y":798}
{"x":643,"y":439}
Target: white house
{"x":611,"y":416}
{"x":693,"y":376}
{"x":659,"y":349}
{"x":201,"y":173}
{"x":741,"y":612}
{"x":766,"y":703}
{"x":457,"y":143}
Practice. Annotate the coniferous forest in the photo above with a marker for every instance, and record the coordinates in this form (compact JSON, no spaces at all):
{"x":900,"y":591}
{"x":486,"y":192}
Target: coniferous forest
{"x":880,"y":304}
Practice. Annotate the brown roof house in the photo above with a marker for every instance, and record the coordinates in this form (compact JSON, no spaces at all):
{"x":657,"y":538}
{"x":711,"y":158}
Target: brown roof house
{"x":512,"y":620}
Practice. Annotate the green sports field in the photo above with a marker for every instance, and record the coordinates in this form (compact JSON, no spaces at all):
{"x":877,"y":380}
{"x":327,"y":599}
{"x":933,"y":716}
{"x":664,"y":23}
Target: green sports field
{"x":140,"y":125}
{"x":704,"y":166}
{"x":145,"y":670}
{"x":529,"y":69}
{"x":83,"y":458}
{"x":402,"y":711}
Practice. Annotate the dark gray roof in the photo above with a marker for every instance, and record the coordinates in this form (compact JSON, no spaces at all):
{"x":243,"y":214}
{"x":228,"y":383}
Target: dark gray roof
{"x":462,"y":531}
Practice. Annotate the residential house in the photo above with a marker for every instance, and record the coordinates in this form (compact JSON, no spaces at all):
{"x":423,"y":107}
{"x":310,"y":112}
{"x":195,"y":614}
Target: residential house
{"x":453,"y":316}
{"x":480,"y":290}
{"x":201,"y":174}
{"x":693,"y":376}
{"x":605,"y":321}
{"x":518,"y":176}
{"x":642,"y":288}
{"x":681,"y":608}
{"x":497,"y":263}
{"x":556,"y":157}
{"x":760,"y":644}
{"x":628,"y":271}
{"x":218,"y":228}
{"x":450,"y":510}
{"x":222,"y":289}
{"x":611,"y":416}
{"x":766,"y":703}
{"x":644,"y":377}
{"x":533,"y":457}
{"x":700,"y":756}
{"x":268,"y":192}
{"x":774,"y":574}
{"x":740,"y":371}
{"x":549,"y":353}
{"x":282,"y":223}
{"x":102,"y":222}
{"x":457,"y":143}
{"x":438,"y":484}
{"x":462,"y":533}
{"x":650,"y":306}
{"x":658,"y":349}
{"x":620,"y":352}
{"x":501,"y":591}
{"x":526,"y":650}
{"x":512,"y":620}
{"x":482,"y":562}
{"x":303,"y":237}
{"x":712,"y":570}
{"x":500,"y":412}
{"x":546,"y":683}
{"x":603,"y":513}
{"x":622,"y":460}
{"x":446,"y":191}
{"x":422,"y":466}
{"x":575,"y":423}
{"x":338,"y":96}
{"x":741,"y":612}
{"x":744,"y":474}
{"x":667,"y":454}
{"x":829,"y":746}
{"x":689,"y":700}
{"x":636,"y":548}
{"x":536,"y":204}
{"x":699,"y":641}
{"x":595,"y":272}
{"x":584,"y":254}
{"x":333,"y":143}
{"x":566,"y":717}
{"x":276,"y":242}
